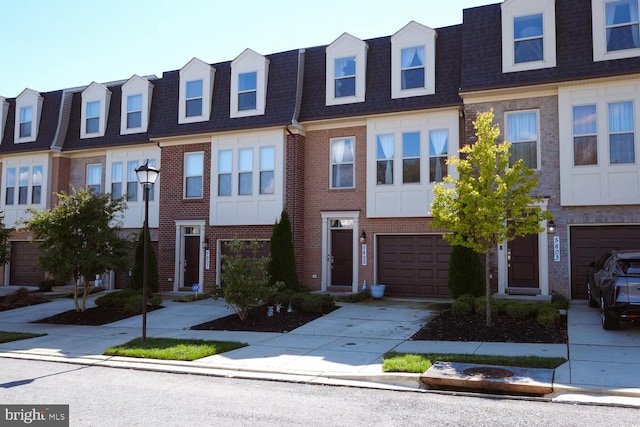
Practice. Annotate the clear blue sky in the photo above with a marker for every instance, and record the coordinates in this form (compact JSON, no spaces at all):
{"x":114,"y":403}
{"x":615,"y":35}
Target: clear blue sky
{"x":57,"y":44}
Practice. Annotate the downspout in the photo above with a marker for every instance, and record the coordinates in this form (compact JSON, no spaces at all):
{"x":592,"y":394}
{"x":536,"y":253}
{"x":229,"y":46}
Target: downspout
{"x":296,"y":124}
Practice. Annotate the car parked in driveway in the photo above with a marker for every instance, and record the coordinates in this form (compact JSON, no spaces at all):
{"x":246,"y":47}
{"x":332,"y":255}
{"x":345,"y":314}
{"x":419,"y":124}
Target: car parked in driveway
{"x":614,"y":286}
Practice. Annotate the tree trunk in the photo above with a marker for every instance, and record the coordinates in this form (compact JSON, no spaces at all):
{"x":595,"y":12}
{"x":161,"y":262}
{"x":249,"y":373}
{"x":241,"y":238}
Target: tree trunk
{"x":487,"y":287}
{"x":85,"y":293}
{"x":75,"y":292}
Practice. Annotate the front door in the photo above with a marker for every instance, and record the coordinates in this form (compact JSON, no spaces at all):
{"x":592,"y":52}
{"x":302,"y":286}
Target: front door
{"x":522,"y":262}
{"x":341,"y":258}
{"x":191,"y":260}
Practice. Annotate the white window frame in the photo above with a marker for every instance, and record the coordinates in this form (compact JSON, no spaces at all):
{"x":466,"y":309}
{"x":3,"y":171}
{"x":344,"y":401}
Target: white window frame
{"x":196,"y":70}
{"x":187,"y":175}
{"x":249,"y":61}
{"x":537,"y":140}
{"x":599,"y":34}
{"x":95,"y":92}
{"x":257,"y":208}
{"x":136,"y":85}
{"x":410,"y":36}
{"x":512,"y":9}
{"x":90,"y":183}
{"x":117,"y":177}
{"x":332,"y":164}
{"x":28,"y":98}
{"x":10,"y":184}
{"x":575,"y":135}
{"x":343,"y":47}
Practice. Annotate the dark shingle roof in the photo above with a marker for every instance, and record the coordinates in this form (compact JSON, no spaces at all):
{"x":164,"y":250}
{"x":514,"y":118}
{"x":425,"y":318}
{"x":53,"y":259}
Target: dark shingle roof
{"x":46,"y":130}
{"x":280,"y":105}
{"x":482,"y":50}
{"x":378,"y":80}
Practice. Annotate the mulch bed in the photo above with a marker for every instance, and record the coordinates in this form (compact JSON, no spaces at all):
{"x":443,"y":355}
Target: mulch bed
{"x":21,"y":299}
{"x":94,"y":316}
{"x":258,"y":321}
{"x":447,"y":327}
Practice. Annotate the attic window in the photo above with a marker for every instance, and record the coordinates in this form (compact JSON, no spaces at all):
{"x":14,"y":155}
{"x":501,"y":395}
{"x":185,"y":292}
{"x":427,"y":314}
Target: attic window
{"x":345,"y":77}
{"x":247,"y":91}
{"x":621,"y":20}
{"x":249,"y":77}
{"x":413,"y":60}
{"x":346,"y":63}
{"x":196,"y":92}
{"x":528,"y":38}
{"x":412,"y":67}
{"x":26,"y":117}
{"x":93,"y":116}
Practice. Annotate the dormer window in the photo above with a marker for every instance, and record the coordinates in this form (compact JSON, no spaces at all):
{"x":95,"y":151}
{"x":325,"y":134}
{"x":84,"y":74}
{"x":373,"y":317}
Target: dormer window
{"x":96,"y":99}
{"x":134,"y":111}
{"x":4,"y":111}
{"x":249,"y":76}
{"x":413,"y":61}
{"x":247,"y":91}
{"x":621,"y":20}
{"x":27,"y":116}
{"x":135,"y":105}
{"x":346,"y":64}
{"x":93,"y":117}
{"x":528,"y":35}
{"x":196,"y":92}
{"x":345,"y":77}
{"x":194,"y":98}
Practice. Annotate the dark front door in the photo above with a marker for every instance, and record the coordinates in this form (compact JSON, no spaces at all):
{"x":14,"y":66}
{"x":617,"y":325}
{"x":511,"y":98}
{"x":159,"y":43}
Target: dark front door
{"x":341,"y":257}
{"x":191,"y":260}
{"x":522,"y":261}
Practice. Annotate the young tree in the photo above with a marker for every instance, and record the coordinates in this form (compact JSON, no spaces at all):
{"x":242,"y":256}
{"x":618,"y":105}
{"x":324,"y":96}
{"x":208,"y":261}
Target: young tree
{"x":80,"y":237}
{"x":282,"y":263}
{"x":246,"y":284}
{"x":491,"y":202}
{"x":138,"y":266}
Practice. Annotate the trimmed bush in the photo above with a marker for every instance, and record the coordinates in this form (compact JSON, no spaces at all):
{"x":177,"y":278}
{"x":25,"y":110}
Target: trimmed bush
{"x":548,"y":315}
{"x":463,"y":305}
{"x":317,"y":303}
{"x":466,"y":274}
{"x":519,"y":310}
{"x":480,"y":305}
{"x":128,"y":300}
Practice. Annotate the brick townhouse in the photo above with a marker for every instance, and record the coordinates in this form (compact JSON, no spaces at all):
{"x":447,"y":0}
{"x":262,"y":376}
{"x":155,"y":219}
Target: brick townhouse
{"x":350,"y":138}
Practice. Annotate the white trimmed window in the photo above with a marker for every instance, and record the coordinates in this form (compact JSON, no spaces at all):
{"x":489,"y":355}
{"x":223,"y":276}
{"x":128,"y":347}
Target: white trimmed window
{"x":528,"y":35}
{"x":36,"y":185}
{"x":94,"y":178}
{"x":28,"y":112}
{"x":10,"y":186}
{"x":410,"y":157}
{"x":136,"y":105}
{"x":385,"y":156}
{"x":616,"y":29}
{"x":438,"y":153}
{"x":585,"y":135}
{"x":522,"y":133}
{"x":413,"y":61}
{"x":27,"y":184}
{"x":193,"y":175}
{"x":116,"y":180}
{"x":249,"y":76}
{"x":96,"y":99}
{"x":342,"y":163}
{"x":196,"y":92}
{"x":132,"y":181}
{"x":346,"y":63}
{"x":621,"y":132}
{"x":247,"y":186}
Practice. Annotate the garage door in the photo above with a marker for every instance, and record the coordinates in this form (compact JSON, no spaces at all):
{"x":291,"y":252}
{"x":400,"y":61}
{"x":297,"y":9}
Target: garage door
{"x":24,"y":264}
{"x":589,"y":242}
{"x":414,"y":266}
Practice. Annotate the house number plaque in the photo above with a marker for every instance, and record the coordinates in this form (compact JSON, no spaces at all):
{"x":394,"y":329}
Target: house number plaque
{"x":364,"y":254}
{"x":556,"y":248}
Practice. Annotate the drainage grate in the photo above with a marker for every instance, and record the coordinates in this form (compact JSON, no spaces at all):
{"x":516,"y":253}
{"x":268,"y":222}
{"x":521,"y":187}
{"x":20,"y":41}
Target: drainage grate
{"x":488,"y":372}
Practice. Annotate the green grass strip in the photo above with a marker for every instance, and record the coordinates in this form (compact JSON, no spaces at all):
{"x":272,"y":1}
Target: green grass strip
{"x":16,"y":336}
{"x":419,"y":363}
{"x":172,"y":349}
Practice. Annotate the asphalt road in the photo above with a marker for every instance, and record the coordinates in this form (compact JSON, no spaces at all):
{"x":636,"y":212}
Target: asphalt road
{"x":101,"y":396}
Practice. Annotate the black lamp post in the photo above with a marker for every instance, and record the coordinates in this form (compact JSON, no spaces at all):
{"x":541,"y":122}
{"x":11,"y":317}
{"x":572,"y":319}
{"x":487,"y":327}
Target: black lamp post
{"x":147,"y":176}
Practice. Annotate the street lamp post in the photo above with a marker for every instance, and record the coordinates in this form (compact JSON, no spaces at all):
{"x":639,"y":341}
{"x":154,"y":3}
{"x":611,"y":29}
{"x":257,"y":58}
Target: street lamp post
{"x":147,"y":176}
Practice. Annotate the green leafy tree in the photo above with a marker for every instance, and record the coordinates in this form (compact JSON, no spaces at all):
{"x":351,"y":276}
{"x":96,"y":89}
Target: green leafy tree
{"x":138,"y":266}
{"x":282,"y":262}
{"x":80,"y":237}
{"x":246,"y":283}
{"x":466,"y":275}
{"x":5,"y":233}
{"x":491,"y":202}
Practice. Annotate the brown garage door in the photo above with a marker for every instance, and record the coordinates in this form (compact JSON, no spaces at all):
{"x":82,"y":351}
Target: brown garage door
{"x":589,"y":242}
{"x":414,"y":266}
{"x":24,"y":264}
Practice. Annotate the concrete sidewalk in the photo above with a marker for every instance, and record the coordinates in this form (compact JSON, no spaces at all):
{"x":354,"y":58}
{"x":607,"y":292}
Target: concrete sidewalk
{"x":345,"y":346}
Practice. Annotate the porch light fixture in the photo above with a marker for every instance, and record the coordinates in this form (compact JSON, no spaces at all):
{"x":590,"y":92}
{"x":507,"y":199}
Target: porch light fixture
{"x":205,"y":243}
{"x":147,"y":176}
{"x":363,"y":237}
{"x":551,"y":227}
